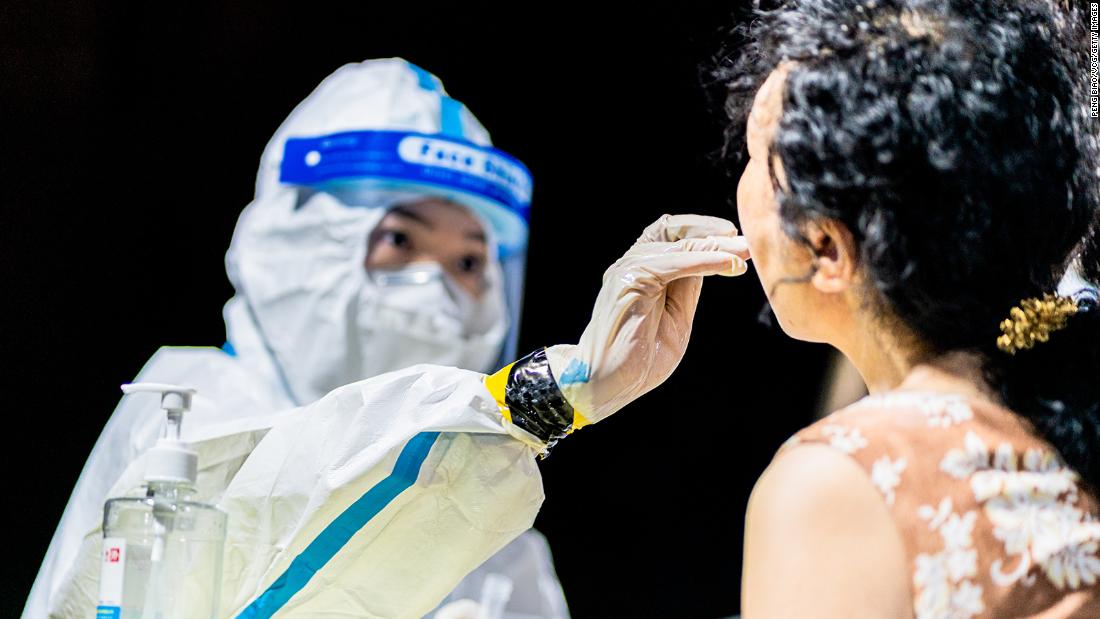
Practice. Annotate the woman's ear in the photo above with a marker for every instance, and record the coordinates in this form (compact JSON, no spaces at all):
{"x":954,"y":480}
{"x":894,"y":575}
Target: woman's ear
{"x":834,"y":255}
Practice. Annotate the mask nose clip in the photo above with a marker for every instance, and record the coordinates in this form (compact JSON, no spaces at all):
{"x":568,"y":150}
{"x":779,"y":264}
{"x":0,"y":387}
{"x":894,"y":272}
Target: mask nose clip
{"x":421,"y":274}
{"x":416,"y":274}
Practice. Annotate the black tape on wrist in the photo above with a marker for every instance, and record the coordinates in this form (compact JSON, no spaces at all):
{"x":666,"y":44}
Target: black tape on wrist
{"x":536,"y":403}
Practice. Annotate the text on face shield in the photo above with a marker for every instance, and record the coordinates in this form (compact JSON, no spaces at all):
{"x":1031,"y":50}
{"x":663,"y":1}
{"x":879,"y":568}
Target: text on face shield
{"x":468,"y":160}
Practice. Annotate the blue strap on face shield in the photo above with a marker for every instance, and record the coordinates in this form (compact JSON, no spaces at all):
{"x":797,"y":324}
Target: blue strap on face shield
{"x":427,"y":80}
{"x":450,"y":111}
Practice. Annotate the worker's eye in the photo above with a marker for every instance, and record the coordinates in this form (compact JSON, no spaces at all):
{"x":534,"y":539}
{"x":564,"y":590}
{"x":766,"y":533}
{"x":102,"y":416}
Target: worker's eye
{"x":469,"y":264}
{"x":396,"y":238}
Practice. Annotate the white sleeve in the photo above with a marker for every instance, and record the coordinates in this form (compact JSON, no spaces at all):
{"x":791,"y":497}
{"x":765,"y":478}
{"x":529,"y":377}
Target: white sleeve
{"x":376,"y":500}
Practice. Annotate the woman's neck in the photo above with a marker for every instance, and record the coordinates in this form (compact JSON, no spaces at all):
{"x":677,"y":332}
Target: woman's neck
{"x":886,"y":364}
{"x":878,"y":357}
{"x":953,"y":372}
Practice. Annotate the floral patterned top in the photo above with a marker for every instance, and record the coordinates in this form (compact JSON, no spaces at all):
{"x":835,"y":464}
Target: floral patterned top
{"x":994,"y":523}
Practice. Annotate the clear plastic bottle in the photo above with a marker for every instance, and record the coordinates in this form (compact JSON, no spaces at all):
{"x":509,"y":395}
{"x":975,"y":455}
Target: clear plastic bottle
{"x":162,"y":549}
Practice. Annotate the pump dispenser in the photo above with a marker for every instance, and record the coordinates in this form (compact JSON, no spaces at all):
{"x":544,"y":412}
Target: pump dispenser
{"x":172,"y":460}
{"x":162,"y":548}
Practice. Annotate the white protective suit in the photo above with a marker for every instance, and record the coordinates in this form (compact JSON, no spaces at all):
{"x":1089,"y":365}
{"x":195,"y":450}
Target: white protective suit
{"x":297,"y":263}
{"x":377,"y":499}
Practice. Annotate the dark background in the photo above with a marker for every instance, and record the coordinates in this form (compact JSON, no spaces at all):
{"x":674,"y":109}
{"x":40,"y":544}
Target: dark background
{"x":131,"y":136}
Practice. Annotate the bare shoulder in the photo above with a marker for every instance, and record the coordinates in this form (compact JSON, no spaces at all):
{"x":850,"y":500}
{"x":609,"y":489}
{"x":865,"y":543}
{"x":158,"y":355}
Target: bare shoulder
{"x":809,"y":473}
{"x":810,"y":485}
{"x":820,"y":542}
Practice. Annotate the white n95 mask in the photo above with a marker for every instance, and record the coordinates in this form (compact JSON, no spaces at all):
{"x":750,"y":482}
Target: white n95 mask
{"x":324,"y":321}
{"x":418,"y":313}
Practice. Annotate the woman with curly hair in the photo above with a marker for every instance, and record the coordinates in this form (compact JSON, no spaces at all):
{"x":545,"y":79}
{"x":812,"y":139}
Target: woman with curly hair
{"x":921,"y":175}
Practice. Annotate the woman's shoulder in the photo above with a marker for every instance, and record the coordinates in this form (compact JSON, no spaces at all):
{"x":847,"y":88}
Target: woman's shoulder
{"x":990,"y":515}
{"x":910,"y":443}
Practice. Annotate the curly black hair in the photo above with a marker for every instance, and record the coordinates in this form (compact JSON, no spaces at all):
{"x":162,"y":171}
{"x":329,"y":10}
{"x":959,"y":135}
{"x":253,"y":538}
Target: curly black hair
{"x":1090,"y":256}
{"x":953,"y":139}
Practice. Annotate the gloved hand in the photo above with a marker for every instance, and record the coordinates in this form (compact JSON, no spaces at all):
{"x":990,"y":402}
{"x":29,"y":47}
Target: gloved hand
{"x":638,"y":333}
{"x":641,"y":323}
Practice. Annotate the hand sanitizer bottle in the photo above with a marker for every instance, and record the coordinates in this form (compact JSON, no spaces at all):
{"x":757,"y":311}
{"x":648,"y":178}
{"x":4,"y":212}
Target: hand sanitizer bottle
{"x":162,"y":549}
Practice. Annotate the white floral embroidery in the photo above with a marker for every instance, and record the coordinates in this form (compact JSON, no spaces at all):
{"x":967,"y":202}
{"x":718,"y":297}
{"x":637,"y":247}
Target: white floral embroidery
{"x":1029,"y":498}
{"x":1005,"y":458}
{"x":942,"y":410}
{"x":848,"y":440}
{"x":967,"y":600}
{"x":943,"y":580}
{"x":886,"y":475}
{"x":1046,"y":532}
{"x":1030,"y":501}
{"x":956,"y":530}
{"x":933,"y":598}
{"x":935,"y":517}
{"x":1077,"y":565}
{"x":962,"y":564}
{"x":961,"y":463}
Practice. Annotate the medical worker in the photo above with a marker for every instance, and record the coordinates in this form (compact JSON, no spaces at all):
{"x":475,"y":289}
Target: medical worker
{"x":378,"y":498}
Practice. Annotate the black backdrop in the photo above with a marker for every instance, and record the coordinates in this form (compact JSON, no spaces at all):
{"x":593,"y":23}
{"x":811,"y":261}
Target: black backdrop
{"x":131,"y":135}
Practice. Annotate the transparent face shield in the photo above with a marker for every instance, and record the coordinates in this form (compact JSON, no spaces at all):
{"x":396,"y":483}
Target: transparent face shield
{"x":360,"y":166}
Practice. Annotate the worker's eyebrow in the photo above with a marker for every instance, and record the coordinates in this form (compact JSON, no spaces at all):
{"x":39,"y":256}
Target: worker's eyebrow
{"x":403,"y":211}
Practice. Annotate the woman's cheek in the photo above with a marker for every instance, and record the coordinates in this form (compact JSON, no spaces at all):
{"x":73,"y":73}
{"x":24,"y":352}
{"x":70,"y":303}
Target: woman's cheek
{"x":743,"y":199}
{"x":750,"y":206}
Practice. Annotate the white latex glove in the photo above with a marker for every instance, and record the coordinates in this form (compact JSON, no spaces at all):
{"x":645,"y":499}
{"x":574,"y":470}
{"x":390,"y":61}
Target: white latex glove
{"x":642,"y":318}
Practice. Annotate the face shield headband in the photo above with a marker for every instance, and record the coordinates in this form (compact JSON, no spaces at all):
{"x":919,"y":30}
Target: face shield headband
{"x":492,"y":182}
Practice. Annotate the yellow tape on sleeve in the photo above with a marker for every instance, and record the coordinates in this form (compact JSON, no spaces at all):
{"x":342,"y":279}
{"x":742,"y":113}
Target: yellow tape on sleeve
{"x":496,"y":383}
{"x":578,"y":420}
